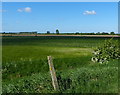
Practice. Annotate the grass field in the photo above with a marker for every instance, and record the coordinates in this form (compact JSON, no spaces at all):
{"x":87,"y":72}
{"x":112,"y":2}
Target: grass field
{"x":25,"y":67}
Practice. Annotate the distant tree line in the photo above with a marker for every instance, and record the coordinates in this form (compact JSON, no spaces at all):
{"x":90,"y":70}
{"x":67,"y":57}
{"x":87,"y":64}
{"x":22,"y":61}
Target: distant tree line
{"x":58,"y":32}
{"x":103,"y":33}
{"x":27,"y":32}
{"x":19,"y":33}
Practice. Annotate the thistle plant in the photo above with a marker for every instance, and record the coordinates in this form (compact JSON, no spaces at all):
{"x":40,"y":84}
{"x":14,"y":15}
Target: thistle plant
{"x":109,"y":50}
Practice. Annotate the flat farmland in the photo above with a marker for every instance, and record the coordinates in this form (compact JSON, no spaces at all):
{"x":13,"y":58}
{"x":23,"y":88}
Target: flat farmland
{"x":25,"y":67}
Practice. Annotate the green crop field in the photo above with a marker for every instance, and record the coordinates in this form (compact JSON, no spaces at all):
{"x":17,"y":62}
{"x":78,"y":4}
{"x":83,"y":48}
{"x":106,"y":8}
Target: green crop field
{"x":25,"y":68}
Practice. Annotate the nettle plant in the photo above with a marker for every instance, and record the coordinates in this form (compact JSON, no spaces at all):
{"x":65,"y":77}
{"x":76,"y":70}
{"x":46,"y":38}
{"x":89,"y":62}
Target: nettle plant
{"x":104,"y":53}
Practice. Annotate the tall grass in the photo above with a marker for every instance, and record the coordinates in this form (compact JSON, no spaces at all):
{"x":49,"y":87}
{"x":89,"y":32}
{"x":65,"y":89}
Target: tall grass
{"x":98,"y":79}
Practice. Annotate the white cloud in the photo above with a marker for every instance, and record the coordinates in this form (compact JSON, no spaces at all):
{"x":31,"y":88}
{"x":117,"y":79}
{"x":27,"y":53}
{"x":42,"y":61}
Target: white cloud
{"x":26,"y":9}
{"x":19,"y":10}
{"x":90,"y":12}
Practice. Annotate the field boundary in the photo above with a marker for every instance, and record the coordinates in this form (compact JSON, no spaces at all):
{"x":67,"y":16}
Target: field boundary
{"x":60,"y":35}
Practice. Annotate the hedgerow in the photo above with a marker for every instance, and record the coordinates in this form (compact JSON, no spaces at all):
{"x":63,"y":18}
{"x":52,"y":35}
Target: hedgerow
{"x":104,"y":53}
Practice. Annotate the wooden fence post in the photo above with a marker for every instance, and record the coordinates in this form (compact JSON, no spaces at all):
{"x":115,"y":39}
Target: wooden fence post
{"x":53,"y":74}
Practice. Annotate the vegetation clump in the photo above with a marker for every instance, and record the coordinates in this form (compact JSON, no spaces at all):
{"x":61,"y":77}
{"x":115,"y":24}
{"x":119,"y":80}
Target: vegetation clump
{"x":104,"y":53}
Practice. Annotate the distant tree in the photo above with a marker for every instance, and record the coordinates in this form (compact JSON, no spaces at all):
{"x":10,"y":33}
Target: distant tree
{"x":90,"y":33}
{"x":48,"y":32}
{"x":34,"y":32}
{"x":57,"y":31}
{"x":76,"y":33}
{"x":112,"y":33}
{"x":104,"y":33}
{"x":98,"y":33}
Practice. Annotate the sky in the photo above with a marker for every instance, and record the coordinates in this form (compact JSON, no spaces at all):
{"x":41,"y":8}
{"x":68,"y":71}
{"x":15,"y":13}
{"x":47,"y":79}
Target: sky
{"x":67,"y":17}
{"x":60,"y":0}
{"x":0,"y":17}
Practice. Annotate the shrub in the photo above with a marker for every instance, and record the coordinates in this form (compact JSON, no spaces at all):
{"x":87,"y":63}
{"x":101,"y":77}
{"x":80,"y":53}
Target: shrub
{"x":109,"y":50}
{"x":57,"y":31}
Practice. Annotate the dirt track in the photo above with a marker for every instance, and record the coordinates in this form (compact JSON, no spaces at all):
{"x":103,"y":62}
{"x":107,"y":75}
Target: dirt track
{"x":60,"y":35}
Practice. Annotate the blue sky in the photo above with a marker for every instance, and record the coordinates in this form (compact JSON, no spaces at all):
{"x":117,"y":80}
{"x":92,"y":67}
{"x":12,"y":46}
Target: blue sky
{"x":66,"y":16}
{"x":60,"y":0}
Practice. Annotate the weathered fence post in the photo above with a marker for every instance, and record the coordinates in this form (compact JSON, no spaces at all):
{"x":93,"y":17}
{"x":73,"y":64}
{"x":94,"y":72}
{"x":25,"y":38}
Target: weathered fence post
{"x":53,"y":74}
